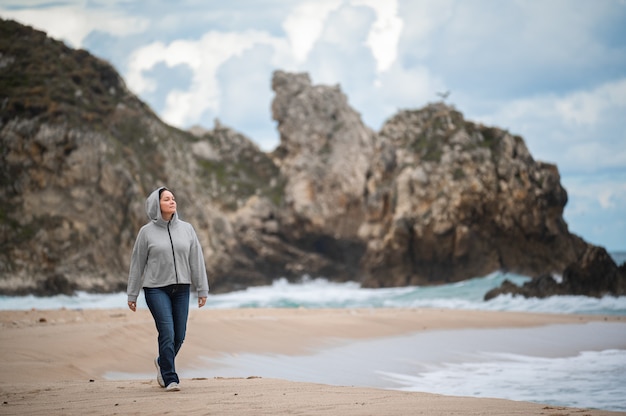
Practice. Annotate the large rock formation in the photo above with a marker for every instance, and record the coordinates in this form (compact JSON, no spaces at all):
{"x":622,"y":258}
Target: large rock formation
{"x":448,"y":198}
{"x":431,"y":198}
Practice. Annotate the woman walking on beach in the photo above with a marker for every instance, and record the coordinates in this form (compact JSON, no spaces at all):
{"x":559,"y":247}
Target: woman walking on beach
{"x":166,"y":260}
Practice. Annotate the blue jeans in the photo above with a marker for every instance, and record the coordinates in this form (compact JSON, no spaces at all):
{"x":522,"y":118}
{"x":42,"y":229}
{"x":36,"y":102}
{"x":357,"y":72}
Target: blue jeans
{"x":169,"y":306}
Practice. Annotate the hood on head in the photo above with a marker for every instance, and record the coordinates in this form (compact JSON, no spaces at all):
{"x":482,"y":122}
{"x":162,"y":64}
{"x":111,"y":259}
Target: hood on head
{"x":153,"y":207}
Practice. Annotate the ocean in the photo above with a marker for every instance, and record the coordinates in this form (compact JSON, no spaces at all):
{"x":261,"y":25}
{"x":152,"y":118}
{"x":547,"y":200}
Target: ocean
{"x":320,"y":293}
{"x":563,"y":365}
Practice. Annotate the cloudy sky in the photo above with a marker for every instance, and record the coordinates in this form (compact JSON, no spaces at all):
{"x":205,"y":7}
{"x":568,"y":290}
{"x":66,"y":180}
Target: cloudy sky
{"x":552,"y":71}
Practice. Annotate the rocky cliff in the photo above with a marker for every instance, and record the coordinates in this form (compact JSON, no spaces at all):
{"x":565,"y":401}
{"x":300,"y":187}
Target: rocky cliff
{"x":448,"y":198}
{"x":431,"y":198}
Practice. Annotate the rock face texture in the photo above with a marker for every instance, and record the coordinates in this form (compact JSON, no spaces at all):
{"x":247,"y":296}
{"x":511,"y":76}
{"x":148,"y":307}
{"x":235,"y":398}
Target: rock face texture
{"x":431,"y":198}
{"x":594,"y":274}
{"x":325,"y":153}
{"x":448,"y":198}
{"x":79,"y":153}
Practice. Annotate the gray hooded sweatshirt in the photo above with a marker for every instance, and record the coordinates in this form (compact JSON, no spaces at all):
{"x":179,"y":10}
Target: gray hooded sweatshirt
{"x":166,"y":253}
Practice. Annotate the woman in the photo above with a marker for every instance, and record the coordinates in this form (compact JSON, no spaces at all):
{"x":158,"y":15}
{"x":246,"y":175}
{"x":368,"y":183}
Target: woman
{"x":167,"y":259}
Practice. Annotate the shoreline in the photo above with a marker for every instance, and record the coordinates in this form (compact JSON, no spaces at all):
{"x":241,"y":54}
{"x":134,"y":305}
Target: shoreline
{"x":258,"y":396}
{"x":57,"y":352}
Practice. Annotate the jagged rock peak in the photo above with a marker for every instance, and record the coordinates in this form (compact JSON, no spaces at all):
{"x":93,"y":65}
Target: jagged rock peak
{"x":325,"y":153}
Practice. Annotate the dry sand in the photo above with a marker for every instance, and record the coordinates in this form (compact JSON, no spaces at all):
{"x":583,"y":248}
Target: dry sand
{"x":54,"y":362}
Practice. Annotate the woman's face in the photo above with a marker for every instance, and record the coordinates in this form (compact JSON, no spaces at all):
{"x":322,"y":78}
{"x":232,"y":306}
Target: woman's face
{"x":168,"y":204}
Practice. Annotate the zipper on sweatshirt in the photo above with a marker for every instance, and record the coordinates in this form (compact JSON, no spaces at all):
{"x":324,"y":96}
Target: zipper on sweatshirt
{"x":173,"y":253}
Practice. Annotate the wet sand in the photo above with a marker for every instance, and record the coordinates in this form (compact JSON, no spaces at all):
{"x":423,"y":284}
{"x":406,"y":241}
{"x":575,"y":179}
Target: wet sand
{"x":57,"y":361}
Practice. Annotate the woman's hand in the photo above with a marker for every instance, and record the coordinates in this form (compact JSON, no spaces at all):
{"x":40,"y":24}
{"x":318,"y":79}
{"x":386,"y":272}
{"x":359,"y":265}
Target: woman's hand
{"x":201,"y":302}
{"x":132,"y":306}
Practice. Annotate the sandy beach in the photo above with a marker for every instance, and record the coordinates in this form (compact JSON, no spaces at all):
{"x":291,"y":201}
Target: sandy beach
{"x":57,"y":361}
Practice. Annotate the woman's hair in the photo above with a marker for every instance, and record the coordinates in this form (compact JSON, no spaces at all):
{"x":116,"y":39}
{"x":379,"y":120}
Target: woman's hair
{"x":161,"y":191}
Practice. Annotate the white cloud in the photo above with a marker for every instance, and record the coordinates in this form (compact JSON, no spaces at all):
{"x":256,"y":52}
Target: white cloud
{"x":304,"y":25}
{"x":596,"y":208}
{"x":587,"y":107}
{"x":74,"y":23}
{"x":343,"y":41}
{"x":608,"y":193}
{"x":422,"y":18}
{"x":385,"y":32}
{"x":144,"y":59}
{"x":398,"y":89}
{"x":507,"y":49}
{"x":204,"y":57}
{"x":580,"y":130}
